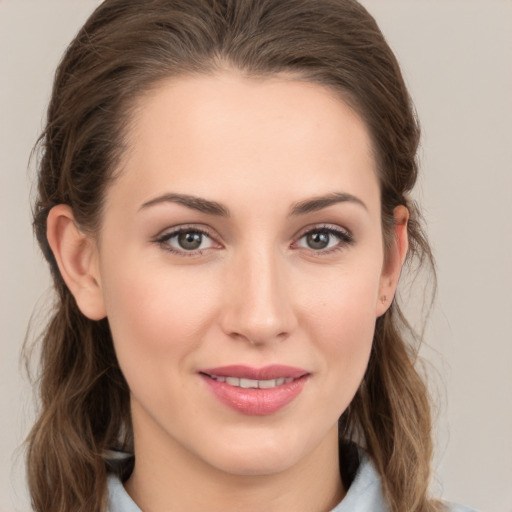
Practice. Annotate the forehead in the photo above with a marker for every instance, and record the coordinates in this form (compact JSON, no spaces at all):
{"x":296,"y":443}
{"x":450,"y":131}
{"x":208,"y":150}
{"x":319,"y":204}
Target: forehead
{"x":222,"y":133}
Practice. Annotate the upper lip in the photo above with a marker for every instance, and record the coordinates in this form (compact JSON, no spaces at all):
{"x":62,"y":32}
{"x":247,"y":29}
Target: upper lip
{"x":273,"y":371}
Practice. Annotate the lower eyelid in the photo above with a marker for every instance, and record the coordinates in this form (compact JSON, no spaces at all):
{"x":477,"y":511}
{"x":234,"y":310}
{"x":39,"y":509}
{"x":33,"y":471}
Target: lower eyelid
{"x":344,"y":238}
{"x":164,"y":239}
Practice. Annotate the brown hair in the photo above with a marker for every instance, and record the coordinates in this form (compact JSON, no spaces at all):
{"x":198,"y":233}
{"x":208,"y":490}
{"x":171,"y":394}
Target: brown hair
{"x":127,"y":47}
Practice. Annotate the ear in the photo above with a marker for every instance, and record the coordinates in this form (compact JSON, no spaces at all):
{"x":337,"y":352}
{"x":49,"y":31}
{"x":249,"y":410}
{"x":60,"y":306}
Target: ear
{"x":77,"y":258}
{"x":394,"y":261}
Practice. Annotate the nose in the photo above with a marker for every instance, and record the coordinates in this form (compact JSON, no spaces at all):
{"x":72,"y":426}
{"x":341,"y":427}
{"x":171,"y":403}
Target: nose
{"x":257,"y":304}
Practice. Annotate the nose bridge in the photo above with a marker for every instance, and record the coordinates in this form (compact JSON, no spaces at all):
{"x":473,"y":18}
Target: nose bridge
{"x":258,"y":306}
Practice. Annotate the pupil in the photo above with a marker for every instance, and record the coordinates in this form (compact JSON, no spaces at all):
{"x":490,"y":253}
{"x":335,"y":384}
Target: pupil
{"x":318,"y":240}
{"x":190,"y":240}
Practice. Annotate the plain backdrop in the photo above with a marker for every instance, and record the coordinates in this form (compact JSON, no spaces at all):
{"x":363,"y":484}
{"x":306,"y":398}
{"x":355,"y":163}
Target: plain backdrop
{"x":457,"y":60}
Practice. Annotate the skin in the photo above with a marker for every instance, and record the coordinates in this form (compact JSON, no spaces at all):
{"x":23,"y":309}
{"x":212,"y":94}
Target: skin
{"x":256,"y":293}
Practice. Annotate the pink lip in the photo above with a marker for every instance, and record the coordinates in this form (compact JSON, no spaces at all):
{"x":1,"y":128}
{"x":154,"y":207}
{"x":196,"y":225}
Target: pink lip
{"x":255,"y":401}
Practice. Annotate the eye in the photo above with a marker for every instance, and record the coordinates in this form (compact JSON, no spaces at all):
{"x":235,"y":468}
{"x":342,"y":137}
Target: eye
{"x":325,"y":239}
{"x":186,"y":240}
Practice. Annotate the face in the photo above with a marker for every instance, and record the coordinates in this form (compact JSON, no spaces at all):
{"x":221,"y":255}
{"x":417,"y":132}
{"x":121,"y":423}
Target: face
{"x":240,"y":263}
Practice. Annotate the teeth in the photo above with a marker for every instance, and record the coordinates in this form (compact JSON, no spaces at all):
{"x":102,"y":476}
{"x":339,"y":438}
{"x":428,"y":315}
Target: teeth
{"x":265,"y":384}
{"x":248,"y":383}
{"x":253,"y":383}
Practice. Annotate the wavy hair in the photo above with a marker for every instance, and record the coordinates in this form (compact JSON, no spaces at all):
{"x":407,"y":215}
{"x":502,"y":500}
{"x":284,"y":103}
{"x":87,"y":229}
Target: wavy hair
{"x":127,"y":47}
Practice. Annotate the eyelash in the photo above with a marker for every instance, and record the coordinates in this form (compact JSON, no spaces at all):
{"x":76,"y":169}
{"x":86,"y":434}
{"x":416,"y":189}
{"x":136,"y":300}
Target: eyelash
{"x":344,"y":237}
{"x":164,"y":239}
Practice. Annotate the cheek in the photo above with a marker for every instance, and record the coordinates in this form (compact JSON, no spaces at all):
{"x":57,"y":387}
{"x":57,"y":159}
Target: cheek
{"x":342,"y":303}
{"x":341,"y":321}
{"x":157,"y":316}
{"x":348,"y":328}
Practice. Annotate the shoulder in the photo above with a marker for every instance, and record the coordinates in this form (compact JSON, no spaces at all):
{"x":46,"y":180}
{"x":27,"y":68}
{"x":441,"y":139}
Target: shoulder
{"x":365,"y":492}
{"x":118,"y":498}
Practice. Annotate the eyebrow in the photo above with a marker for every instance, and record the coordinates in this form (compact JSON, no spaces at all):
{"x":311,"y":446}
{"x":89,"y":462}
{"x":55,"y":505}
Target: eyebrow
{"x":319,"y":203}
{"x":213,"y":208}
{"x":192,"y":202}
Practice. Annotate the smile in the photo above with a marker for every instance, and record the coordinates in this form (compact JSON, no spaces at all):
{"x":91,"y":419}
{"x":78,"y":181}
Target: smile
{"x":253,"y":383}
{"x":255,"y":391}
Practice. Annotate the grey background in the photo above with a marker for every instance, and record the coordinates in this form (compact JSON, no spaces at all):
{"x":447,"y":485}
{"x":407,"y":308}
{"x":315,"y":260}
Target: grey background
{"x":457,"y":59}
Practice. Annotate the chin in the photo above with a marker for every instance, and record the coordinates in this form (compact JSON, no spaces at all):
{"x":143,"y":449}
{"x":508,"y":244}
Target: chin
{"x":255,"y":464}
{"x":259,"y":458}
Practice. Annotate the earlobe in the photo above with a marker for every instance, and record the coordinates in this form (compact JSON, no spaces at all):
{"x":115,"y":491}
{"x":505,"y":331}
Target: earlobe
{"x":76,"y":257}
{"x":394,"y":261}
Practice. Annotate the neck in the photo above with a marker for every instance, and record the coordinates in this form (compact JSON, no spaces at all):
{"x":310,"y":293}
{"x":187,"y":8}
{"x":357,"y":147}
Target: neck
{"x":167,"y":477}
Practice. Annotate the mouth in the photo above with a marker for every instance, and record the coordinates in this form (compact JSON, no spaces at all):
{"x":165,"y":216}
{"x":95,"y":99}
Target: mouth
{"x":252,"y":383}
{"x":255,"y":391}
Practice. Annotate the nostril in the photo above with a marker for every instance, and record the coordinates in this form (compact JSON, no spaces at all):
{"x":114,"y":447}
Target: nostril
{"x":262,"y":340}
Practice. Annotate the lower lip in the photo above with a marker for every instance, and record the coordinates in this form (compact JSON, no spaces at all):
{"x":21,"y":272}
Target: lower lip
{"x":256,"y":402}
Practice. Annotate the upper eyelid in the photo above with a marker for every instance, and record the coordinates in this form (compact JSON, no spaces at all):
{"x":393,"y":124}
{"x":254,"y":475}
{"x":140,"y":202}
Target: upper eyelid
{"x":163,"y":240}
{"x":323,"y":226}
{"x":169,"y":232}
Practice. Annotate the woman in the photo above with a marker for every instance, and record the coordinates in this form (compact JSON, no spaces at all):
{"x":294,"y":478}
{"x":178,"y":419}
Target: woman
{"x":223,"y":201}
